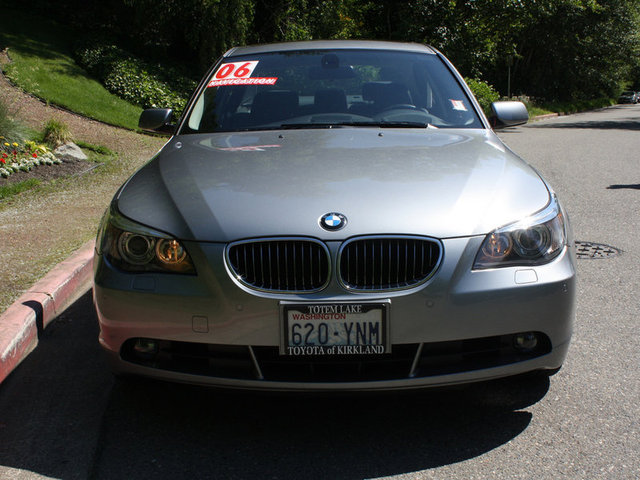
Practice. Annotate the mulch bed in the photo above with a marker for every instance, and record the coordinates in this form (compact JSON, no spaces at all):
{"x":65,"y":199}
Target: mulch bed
{"x":45,"y":173}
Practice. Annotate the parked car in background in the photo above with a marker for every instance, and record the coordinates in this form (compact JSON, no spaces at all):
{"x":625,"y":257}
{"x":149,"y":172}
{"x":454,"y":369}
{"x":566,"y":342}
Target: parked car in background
{"x":334,"y":215}
{"x":628,"y":96}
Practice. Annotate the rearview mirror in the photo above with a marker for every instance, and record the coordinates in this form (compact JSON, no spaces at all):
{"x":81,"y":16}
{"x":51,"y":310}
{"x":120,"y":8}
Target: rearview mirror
{"x":332,"y":73}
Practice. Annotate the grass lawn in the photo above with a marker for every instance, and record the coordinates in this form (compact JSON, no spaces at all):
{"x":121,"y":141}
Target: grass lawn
{"x":13,"y":189}
{"x":535,"y":111}
{"x":42,"y":64}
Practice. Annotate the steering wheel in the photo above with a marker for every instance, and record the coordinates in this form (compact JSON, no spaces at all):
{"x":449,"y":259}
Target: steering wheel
{"x":400,"y":106}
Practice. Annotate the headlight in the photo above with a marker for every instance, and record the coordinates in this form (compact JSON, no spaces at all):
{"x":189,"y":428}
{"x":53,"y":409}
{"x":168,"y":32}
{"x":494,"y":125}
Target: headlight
{"x":132,"y":247}
{"x":534,"y":241}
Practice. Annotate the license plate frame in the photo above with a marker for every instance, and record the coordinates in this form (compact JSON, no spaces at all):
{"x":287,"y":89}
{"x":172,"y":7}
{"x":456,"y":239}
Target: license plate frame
{"x":350,"y":328}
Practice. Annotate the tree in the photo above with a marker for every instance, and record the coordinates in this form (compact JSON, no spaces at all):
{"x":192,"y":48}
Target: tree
{"x":561,"y":49}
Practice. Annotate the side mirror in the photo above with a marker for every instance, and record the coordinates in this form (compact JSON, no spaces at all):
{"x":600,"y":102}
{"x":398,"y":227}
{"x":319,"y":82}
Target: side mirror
{"x":508,"y":114}
{"x":157,"y":120}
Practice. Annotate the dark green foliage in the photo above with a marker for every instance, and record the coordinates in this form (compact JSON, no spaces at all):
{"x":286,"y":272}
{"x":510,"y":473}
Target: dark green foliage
{"x":195,"y":32}
{"x":98,"y":56}
{"x":131,"y":81}
{"x":576,"y":50}
{"x":557,"y":49}
{"x":290,"y":20}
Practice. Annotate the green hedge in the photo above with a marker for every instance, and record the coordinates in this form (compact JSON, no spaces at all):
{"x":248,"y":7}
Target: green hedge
{"x":484,"y":92}
{"x":135,"y":80}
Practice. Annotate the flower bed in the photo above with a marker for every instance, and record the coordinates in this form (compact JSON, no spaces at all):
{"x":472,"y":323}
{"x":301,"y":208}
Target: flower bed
{"x":16,"y":157}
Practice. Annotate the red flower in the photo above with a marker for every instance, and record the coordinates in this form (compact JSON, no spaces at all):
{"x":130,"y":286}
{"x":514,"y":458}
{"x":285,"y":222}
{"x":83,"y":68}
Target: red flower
{"x":3,"y":160}
{"x":34,"y":155}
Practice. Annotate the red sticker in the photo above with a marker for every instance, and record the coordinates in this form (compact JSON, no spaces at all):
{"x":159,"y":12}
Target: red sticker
{"x":239,"y":73}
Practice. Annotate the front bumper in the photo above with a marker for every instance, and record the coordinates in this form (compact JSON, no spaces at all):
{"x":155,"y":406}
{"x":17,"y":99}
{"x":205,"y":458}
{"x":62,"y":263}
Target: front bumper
{"x":456,"y":328}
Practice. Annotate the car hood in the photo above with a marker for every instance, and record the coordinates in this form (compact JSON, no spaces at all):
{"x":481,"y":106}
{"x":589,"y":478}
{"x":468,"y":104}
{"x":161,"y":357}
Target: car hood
{"x":228,"y":186}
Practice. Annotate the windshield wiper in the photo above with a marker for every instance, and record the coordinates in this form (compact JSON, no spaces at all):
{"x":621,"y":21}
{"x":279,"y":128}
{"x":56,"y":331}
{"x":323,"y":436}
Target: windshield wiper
{"x":311,"y":125}
{"x":301,"y":126}
{"x":358,"y":124}
{"x":405,"y":125}
{"x":389,"y":124}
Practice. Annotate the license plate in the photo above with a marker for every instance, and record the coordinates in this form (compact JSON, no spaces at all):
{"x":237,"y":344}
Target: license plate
{"x":335,"y":329}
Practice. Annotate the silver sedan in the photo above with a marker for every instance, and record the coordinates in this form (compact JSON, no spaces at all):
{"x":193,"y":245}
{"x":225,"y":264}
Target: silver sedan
{"x":334,"y":215}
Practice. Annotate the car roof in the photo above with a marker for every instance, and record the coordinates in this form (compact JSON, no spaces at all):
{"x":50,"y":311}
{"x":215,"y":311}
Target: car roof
{"x":330,"y":44}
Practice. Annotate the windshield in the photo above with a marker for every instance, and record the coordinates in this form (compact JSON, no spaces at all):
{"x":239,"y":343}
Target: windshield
{"x":331,"y":88}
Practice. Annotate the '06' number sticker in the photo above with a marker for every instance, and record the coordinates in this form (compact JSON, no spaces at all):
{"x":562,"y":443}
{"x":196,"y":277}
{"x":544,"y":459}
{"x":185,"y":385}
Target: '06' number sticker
{"x":235,"y":70}
{"x":239,"y":73}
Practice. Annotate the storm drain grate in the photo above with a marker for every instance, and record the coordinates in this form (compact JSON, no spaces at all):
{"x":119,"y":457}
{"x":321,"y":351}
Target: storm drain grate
{"x":595,"y":250}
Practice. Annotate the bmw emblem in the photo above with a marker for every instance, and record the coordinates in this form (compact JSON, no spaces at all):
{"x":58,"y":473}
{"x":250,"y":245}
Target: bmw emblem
{"x":333,"y":221}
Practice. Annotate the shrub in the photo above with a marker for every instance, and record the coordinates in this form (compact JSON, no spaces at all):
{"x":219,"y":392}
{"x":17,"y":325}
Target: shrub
{"x":129,"y":80}
{"x":484,"y":92}
{"x":133,"y":79}
{"x":56,"y":133}
{"x":97,"y":58}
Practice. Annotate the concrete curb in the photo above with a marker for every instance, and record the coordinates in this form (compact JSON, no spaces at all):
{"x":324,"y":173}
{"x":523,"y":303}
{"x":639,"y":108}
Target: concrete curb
{"x":22,"y":323}
{"x":543,"y":117}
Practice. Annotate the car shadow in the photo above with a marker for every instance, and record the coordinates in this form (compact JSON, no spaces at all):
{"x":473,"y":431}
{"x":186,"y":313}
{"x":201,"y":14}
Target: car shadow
{"x":69,"y":419}
{"x":247,"y":435}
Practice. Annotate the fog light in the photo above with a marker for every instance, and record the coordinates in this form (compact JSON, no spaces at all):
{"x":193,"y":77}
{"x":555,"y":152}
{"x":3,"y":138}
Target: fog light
{"x":525,"y":342}
{"x":145,"y":348}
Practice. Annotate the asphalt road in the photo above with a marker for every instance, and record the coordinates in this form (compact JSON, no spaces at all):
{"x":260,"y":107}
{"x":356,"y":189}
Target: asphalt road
{"x":63,"y":416}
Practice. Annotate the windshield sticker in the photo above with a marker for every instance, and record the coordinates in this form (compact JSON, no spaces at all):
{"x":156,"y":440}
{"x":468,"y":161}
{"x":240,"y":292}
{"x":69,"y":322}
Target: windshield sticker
{"x":239,"y":73}
{"x":458,"y":105}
